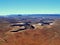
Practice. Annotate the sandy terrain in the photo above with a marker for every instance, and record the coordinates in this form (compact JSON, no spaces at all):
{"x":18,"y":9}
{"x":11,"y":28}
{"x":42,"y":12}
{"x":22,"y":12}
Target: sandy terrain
{"x":43,"y":36}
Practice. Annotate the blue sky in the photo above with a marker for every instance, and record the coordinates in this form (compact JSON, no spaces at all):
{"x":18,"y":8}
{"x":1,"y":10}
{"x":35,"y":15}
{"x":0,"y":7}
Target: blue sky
{"x":29,"y":7}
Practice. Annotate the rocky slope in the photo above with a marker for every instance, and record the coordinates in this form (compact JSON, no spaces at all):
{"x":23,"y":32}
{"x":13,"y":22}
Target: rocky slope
{"x":45,"y":36}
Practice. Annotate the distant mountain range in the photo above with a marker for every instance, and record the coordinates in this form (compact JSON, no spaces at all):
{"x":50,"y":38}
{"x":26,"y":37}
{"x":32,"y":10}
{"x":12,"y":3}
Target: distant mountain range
{"x":19,"y":17}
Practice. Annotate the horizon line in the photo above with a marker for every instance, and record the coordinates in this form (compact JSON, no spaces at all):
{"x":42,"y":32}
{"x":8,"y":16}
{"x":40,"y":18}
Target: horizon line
{"x":28,"y":14}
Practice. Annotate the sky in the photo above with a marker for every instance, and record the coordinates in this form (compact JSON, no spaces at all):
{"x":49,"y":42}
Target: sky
{"x":29,"y":7}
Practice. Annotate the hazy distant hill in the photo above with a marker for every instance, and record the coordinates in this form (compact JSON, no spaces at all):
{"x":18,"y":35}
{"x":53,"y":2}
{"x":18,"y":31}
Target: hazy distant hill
{"x":31,"y":17}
